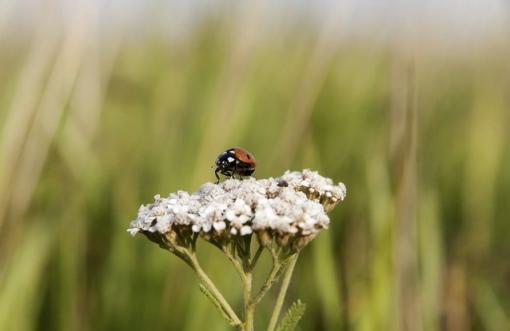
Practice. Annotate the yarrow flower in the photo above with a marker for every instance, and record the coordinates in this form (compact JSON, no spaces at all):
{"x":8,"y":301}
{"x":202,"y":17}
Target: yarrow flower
{"x":293,"y":205}
{"x":284,"y":214}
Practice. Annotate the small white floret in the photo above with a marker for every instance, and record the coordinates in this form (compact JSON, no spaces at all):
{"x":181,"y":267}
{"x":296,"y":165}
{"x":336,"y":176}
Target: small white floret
{"x":245,"y":230}
{"x":219,"y":226}
{"x":206,"y":227}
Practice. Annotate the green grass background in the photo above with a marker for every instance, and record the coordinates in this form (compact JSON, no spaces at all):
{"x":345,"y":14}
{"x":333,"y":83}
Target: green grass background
{"x":94,"y":123}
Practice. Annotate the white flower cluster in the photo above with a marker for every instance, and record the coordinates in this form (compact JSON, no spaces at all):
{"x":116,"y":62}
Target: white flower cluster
{"x":294,"y":204}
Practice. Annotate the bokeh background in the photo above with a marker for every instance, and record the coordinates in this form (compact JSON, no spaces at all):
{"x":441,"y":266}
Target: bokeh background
{"x":105,"y":103}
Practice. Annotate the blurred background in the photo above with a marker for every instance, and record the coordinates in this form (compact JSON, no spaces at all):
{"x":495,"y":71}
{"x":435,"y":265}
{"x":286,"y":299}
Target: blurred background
{"x":105,"y":103}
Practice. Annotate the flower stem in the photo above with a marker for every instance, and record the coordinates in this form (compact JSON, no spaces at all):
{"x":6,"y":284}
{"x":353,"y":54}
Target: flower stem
{"x":271,"y":279}
{"x":237,"y":265}
{"x":255,"y":259}
{"x":282,"y":293}
{"x":267,"y":285}
{"x":249,"y":309}
{"x":207,"y":282}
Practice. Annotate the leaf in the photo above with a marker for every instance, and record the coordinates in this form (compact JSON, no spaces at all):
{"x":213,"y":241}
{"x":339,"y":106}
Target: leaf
{"x":213,"y":299}
{"x":292,"y":317}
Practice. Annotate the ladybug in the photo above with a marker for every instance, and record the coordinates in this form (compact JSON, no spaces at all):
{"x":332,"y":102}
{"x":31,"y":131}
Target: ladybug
{"x":235,"y":161}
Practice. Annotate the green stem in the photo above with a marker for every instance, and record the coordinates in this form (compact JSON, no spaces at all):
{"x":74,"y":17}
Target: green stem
{"x":275,"y":270}
{"x":255,"y":259}
{"x":249,"y":309}
{"x":207,"y":282}
{"x":237,"y":265}
{"x":282,"y":293}
{"x":267,"y":285}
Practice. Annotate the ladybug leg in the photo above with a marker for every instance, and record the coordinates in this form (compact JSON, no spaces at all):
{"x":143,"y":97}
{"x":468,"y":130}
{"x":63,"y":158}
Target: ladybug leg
{"x":216,"y":174}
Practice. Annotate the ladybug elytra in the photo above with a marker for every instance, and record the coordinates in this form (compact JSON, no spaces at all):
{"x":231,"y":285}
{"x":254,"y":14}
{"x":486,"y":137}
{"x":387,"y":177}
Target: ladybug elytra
{"x":235,"y":161}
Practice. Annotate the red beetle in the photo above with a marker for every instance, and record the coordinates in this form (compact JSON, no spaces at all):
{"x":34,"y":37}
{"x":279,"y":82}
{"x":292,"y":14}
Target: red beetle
{"x":235,"y":161}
